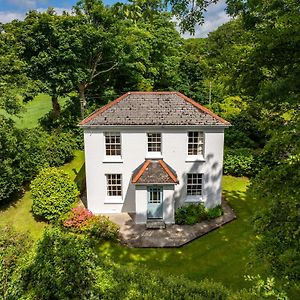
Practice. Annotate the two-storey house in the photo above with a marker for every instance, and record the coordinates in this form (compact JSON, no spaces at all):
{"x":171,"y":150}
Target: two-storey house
{"x":148,"y":153}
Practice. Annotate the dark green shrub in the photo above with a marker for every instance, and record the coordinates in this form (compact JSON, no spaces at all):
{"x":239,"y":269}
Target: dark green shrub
{"x":24,"y":152}
{"x":239,"y":162}
{"x":11,"y":177}
{"x":195,"y":213}
{"x":13,"y":246}
{"x":59,"y":148}
{"x":201,"y":212}
{"x":53,"y":194}
{"x":64,"y":266}
{"x":81,"y":220}
{"x":215,"y":212}
{"x":133,"y":283}
{"x":67,"y":120}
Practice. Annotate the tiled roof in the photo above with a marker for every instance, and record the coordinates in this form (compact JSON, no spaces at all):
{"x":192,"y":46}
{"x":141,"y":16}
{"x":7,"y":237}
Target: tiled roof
{"x":153,"y":108}
{"x":154,"y":172}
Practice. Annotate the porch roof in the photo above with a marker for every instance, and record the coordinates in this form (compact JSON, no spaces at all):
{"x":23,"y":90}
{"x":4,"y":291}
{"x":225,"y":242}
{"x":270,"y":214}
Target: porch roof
{"x":154,"y":172}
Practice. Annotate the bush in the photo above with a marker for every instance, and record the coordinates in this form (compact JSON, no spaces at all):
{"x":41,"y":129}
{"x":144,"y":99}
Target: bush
{"x":81,"y":220}
{"x":215,"y":212}
{"x":24,"y":152}
{"x":195,"y":213}
{"x":11,"y":178}
{"x":239,"y":162}
{"x":64,"y":266}
{"x":13,"y":246}
{"x":53,"y":193}
{"x":59,"y":148}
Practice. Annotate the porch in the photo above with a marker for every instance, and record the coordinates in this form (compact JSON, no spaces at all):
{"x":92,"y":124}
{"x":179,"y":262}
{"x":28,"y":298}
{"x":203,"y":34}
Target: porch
{"x":138,"y":236}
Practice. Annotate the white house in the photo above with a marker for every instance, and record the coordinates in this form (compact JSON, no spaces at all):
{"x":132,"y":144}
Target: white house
{"x":148,"y":153}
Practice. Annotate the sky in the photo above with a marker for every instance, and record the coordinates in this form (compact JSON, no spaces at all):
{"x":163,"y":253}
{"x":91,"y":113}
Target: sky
{"x":16,"y":9}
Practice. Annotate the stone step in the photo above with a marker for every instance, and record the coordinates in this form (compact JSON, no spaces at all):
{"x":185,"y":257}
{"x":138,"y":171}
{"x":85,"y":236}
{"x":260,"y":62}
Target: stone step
{"x":155,"y":224}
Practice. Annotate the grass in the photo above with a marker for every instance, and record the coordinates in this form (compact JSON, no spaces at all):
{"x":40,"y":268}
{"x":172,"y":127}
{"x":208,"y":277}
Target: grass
{"x":33,"y":111}
{"x":221,"y":255}
{"x":19,"y":215}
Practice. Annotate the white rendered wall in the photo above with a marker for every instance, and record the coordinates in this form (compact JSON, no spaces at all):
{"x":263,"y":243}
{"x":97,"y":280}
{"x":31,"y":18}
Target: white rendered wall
{"x":134,"y":152}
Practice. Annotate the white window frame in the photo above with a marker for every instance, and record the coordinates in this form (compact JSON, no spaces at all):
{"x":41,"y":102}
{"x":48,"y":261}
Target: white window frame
{"x":194,"y":197}
{"x":108,"y":157}
{"x":199,"y":145}
{"x":114,"y":187}
{"x":154,"y":154}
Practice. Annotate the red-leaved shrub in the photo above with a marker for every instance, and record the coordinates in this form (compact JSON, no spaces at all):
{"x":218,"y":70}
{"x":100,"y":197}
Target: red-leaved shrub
{"x":79,"y":217}
{"x":81,"y":220}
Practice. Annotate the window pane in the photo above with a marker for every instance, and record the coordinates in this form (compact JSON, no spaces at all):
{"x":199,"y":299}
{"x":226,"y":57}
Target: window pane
{"x":114,"y":184}
{"x":195,"y":143}
{"x":154,"y":142}
{"x":194,"y":184}
{"x":112,"y":144}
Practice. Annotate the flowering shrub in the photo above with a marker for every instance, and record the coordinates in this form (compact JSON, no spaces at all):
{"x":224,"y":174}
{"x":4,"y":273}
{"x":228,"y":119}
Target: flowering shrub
{"x":81,"y":220}
{"x":78,"y":218}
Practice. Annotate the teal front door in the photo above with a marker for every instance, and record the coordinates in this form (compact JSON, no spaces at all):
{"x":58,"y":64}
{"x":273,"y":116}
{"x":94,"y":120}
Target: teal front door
{"x":155,"y":203}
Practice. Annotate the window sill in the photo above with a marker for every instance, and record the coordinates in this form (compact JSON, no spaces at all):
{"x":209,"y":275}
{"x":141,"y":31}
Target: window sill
{"x":112,"y":159}
{"x":113,"y":200}
{"x":193,"y":199}
{"x":192,"y":158}
{"x":154,"y":155}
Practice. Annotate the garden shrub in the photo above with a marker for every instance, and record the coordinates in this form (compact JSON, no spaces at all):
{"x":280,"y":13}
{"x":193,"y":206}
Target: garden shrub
{"x":24,"y":152}
{"x":195,"y":213}
{"x":215,"y":212}
{"x":81,"y":220}
{"x":53,"y":194}
{"x":64,"y":266}
{"x":13,"y":246}
{"x":238,"y":162}
{"x":133,"y":283}
{"x":59,"y":148}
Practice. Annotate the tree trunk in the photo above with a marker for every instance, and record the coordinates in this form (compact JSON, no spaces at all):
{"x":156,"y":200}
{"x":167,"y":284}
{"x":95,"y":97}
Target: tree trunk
{"x":81,"y":88}
{"x":55,"y":106}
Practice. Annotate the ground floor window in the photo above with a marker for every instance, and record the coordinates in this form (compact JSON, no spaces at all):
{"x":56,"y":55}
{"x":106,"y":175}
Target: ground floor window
{"x":194,"y":184}
{"x":114,"y":184}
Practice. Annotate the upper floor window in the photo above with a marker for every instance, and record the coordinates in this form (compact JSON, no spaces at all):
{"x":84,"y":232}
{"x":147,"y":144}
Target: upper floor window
{"x":113,"y":144}
{"x":196,"y":143}
{"x":154,"y":142}
{"x":194,"y":184}
{"x":114,"y":184}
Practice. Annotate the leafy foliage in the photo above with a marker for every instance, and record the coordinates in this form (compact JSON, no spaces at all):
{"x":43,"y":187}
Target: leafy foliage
{"x":23,"y":152}
{"x":13,"y":246}
{"x":53,"y":194}
{"x":278,"y":225}
{"x":195,"y":213}
{"x":239,"y":162}
{"x":11,"y":176}
{"x":63,"y":267}
{"x":81,"y":220}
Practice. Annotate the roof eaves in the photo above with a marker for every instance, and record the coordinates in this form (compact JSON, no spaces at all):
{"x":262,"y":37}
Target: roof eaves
{"x":203,"y":108}
{"x":102,"y":109}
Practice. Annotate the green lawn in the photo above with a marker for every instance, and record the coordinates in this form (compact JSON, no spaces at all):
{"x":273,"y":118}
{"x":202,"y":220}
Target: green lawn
{"x":33,"y":111}
{"x":18,"y":214}
{"x":221,"y":255}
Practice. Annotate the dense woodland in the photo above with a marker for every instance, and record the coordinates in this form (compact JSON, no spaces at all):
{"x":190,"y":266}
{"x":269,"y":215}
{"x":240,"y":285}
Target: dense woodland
{"x":251,"y":68}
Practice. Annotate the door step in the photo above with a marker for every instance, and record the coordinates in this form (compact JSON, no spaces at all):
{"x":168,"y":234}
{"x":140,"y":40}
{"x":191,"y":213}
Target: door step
{"x":157,"y":224}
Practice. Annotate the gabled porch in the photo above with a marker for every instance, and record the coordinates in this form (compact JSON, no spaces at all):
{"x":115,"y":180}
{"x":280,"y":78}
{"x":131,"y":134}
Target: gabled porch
{"x":154,"y":182}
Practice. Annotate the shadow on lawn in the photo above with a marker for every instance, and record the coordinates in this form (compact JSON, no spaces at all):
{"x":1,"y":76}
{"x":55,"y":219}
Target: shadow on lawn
{"x":13,"y":201}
